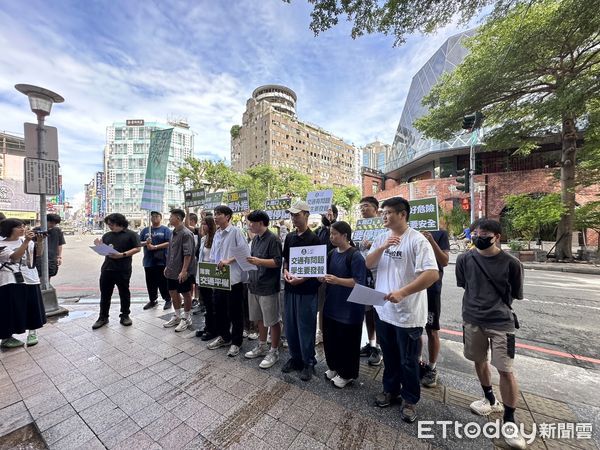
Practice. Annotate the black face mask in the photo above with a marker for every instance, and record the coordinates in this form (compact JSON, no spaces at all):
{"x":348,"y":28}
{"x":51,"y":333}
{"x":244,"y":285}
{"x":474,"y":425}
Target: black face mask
{"x":483,"y":242}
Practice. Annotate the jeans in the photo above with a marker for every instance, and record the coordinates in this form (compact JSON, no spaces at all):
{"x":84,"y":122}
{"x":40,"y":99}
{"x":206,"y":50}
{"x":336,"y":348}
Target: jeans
{"x":230,"y":313}
{"x":301,"y":326}
{"x":155,"y":282}
{"x":108,"y":280}
{"x":400,"y":347}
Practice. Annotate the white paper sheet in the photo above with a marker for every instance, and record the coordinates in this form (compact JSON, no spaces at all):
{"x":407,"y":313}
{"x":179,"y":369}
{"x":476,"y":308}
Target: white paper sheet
{"x":103,"y":249}
{"x":366,"y":296}
{"x":241,"y":253}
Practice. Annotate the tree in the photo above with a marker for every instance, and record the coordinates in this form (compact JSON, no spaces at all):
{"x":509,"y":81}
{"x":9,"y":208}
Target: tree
{"x":398,"y":17}
{"x":205,"y":173}
{"x":527,"y":214}
{"x":455,"y":220}
{"x":532,"y":73}
{"x":588,"y":169}
{"x":235,"y":131}
{"x":588,"y":216}
{"x":346,"y":197}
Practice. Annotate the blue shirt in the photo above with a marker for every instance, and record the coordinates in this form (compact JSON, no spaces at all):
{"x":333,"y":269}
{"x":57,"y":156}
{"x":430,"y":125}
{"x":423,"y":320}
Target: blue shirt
{"x":336,"y":305}
{"x":160,"y":235}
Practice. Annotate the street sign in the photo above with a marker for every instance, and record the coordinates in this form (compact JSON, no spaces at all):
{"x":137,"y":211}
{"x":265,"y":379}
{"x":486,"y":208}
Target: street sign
{"x":31,"y":142}
{"x":41,"y":176}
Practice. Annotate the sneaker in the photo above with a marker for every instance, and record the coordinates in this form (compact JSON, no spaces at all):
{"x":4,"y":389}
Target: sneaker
{"x":430,"y":378}
{"x":183,"y":324}
{"x":307,"y":372}
{"x":330,"y":374}
{"x":217,"y":343}
{"x":208,"y":336}
{"x":290,"y":366}
{"x":150,"y":304}
{"x":483,"y":407}
{"x":340,"y":382}
{"x":375,"y":357}
{"x":32,"y":339}
{"x":200,"y":333}
{"x":99,"y":323}
{"x":168,"y":305}
{"x":365,"y":350}
{"x":271,"y":358}
{"x":11,"y":342}
{"x":173,"y":322}
{"x":513,"y":437}
{"x":384,"y":399}
{"x":234,"y":350}
{"x":284,"y":343}
{"x":253,"y":336}
{"x":195,"y":303}
{"x":125,"y":320}
{"x":259,"y":350}
{"x":319,"y":337}
{"x":408,"y":413}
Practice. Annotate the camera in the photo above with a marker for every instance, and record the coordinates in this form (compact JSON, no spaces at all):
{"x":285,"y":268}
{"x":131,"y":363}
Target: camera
{"x":41,"y":233}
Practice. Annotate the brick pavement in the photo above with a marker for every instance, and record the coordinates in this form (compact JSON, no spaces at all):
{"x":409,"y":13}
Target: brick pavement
{"x":149,"y":388}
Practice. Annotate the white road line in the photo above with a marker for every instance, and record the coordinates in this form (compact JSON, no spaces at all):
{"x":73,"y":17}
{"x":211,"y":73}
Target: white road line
{"x":551,"y":286}
{"x":559,"y":303}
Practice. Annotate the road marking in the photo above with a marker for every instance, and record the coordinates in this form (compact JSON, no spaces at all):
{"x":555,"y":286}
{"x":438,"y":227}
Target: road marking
{"x":551,"y":286}
{"x":560,"y":303}
{"x":535,"y":348}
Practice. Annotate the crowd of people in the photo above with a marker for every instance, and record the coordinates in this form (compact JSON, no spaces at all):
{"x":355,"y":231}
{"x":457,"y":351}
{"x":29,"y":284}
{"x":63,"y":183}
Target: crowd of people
{"x":404,"y":264}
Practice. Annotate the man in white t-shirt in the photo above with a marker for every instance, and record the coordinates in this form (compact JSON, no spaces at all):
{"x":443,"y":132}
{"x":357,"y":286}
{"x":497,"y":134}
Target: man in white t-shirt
{"x":406,"y":267}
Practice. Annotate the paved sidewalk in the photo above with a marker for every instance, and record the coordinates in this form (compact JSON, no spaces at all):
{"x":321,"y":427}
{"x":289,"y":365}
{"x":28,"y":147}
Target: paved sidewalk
{"x":146,"y":387}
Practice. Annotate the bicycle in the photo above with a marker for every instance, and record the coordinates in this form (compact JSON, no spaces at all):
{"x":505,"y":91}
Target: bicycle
{"x":458,"y":246}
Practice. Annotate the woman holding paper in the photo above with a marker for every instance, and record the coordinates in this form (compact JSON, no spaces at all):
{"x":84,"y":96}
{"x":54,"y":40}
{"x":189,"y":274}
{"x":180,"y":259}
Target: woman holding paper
{"x":342,"y":320}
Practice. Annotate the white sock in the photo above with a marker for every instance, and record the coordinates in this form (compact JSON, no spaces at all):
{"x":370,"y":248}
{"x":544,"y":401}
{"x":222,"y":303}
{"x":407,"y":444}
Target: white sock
{"x":431,"y":365}
{"x":186,"y":315}
{"x":373,"y":342}
{"x":178,"y":313}
{"x":262,"y":343}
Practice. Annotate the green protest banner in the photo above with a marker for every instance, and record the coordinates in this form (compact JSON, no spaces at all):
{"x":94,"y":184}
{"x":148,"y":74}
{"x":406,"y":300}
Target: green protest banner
{"x":211,"y":277}
{"x":194,"y":198}
{"x":424,"y":214}
{"x":368,"y":229}
{"x":213,"y":199}
{"x":238,"y":200}
{"x":276,"y":208}
{"x":156,"y":170}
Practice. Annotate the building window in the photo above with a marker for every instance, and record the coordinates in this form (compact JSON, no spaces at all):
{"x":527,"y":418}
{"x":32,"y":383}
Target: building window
{"x":375,"y":187}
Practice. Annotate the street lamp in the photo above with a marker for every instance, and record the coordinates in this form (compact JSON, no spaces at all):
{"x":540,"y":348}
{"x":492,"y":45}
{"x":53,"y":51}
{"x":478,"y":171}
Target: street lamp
{"x":40,"y":101}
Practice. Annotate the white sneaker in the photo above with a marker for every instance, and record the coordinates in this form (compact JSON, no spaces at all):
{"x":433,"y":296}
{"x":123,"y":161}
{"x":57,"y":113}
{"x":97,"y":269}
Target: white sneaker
{"x":513,"y":436}
{"x":259,"y":350}
{"x":173,"y":322}
{"x":234,"y":350}
{"x":253,"y":336}
{"x":319,"y":337}
{"x":483,"y":407}
{"x":330,"y":374}
{"x":217,"y":343}
{"x":284,"y":343}
{"x":340,"y":382}
{"x":270,"y":359}
{"x":183,"y":324}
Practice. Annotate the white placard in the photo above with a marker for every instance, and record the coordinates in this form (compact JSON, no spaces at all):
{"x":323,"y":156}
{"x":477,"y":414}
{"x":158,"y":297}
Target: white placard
{"x":319,"y":201}
{"x":103,"y":249}
{"x":241,"y":254}
{"x":366,"y":296}
{"x":308,"y":262}
{"x":41,"y":176}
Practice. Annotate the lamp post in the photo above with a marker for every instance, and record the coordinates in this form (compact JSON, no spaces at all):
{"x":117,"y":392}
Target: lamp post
{"x":40,"y":101}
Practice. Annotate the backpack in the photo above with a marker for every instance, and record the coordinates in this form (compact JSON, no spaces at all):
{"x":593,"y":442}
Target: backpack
{"x":349,"y":254}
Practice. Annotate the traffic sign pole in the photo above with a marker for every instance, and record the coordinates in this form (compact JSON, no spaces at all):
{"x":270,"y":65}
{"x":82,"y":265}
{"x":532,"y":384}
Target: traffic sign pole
{"x":41,"y":134}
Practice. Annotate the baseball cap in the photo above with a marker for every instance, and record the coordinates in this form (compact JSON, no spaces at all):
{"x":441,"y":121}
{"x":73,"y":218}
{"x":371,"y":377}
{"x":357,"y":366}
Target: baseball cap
{"x":298,"y":207}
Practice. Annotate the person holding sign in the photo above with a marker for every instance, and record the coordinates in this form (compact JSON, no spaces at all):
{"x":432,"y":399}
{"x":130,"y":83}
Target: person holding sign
{"x":208,"y":228}
{"x":406,"y":267}
{"x":342,"y":320}
{"x":263,"y":289}
{"x":300,"y":298}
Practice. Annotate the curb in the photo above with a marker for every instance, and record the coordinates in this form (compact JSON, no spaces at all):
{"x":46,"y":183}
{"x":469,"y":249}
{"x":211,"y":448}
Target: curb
{"x":556,"y":268}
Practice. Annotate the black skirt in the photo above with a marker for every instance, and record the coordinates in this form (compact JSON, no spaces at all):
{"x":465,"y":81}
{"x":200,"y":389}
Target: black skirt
{"x":21,"y":309}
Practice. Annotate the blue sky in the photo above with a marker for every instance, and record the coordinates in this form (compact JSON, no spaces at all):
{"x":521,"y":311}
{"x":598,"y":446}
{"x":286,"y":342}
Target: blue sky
{"x":199,"y":60}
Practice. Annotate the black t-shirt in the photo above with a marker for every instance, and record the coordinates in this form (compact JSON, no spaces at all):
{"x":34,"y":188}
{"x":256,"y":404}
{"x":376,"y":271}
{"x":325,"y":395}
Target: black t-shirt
{"x":55,"y":239}
{"x":441,"y":239}
{"x":121,"y":241}
{"x":311,"y":285}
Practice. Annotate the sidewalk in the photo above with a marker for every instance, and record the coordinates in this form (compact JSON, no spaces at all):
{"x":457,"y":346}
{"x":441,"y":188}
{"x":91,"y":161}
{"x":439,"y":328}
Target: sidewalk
{"x":147,"y":387}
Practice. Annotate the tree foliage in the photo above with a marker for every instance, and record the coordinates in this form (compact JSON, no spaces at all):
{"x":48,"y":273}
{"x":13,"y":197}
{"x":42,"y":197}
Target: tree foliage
{"x":205,"y":173}
{"x":527,"y":214}
{"x":397,"y":17}
{"x":588,"y":169}
{"x":533,"y":73}
{"x":455,"y":219}
{"x":588,"y":216}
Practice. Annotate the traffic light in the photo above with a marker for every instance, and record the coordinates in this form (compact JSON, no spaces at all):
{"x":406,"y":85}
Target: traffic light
{"x":472,"y":121}
{"x":463,"y":180}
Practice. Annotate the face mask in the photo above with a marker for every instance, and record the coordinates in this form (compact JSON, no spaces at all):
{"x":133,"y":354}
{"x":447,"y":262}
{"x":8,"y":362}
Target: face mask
{"x":483,"y":242}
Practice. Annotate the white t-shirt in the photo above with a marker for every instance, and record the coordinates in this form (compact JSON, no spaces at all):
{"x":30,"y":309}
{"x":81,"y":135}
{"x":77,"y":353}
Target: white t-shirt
{"x":6,"y":274}
{"x":398,"y":266}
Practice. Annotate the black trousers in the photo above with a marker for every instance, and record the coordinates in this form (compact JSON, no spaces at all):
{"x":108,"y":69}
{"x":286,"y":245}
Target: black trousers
{"x":210,"y":319}
{"x":341,"y":343}
{"x":156,"y":281}
{"x":230,"y":313}
{"x":108,"y":280}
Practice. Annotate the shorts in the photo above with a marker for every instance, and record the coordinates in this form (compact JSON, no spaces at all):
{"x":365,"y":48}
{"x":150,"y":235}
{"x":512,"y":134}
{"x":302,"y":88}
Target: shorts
{"x":182,"y":288}
{"x":478,"y":340}
{"x":264,"y":307}
{"x":434,"y":308}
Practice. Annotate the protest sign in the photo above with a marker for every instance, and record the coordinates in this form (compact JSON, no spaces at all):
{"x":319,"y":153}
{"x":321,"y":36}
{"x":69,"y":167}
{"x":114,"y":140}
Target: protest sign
{"x":237,"y":200}
{"x":319,"y":201}
{"x":308,"y":262}
{"x":194,"y":198}
{"x":213,"y":199}
{"x":276,"y":208}
{"x":424,"y":214}
{"x":211,"y":277}
{"x":368,"y":229}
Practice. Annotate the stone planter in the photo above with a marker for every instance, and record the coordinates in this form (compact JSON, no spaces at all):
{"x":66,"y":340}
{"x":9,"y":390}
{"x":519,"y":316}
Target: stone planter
{"x":535,"y":255}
